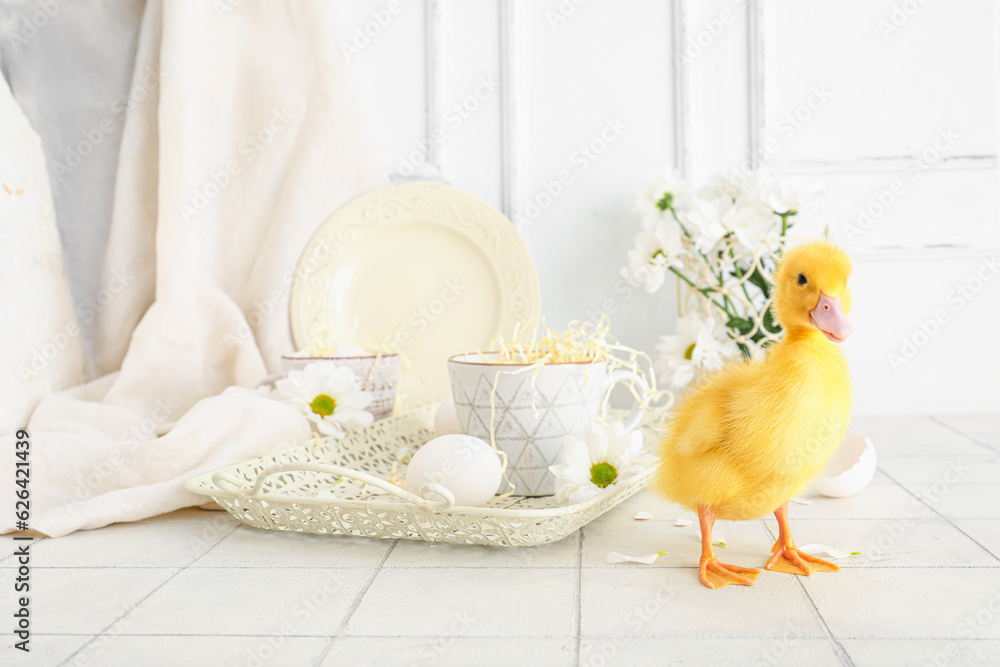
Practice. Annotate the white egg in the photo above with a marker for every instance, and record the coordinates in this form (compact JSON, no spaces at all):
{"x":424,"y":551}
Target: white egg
{"x":850,"y":470}
{"x":446,"y":419}
{"x":350,"y":351}
{"x":466,"y":466}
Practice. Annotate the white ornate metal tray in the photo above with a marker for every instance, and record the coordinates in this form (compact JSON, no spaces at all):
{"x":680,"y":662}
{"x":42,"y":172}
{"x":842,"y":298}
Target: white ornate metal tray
{"x":340,"y":487}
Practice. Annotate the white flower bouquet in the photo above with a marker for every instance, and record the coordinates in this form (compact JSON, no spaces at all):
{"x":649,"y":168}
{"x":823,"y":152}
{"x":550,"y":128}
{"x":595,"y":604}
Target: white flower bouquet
{"x":721,"y":244}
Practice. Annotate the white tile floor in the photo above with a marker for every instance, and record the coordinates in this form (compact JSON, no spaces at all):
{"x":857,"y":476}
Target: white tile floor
{"x":197,"y":588}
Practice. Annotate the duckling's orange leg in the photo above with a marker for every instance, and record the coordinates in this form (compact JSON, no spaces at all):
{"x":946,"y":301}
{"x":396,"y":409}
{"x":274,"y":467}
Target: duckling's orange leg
{"x":711,"y":571}
{"x":789,"y":558}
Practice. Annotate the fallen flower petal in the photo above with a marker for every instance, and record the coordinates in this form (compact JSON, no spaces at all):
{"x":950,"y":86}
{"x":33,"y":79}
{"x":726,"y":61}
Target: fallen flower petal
{"x":615,"y":557}
{"x":824,"y":550}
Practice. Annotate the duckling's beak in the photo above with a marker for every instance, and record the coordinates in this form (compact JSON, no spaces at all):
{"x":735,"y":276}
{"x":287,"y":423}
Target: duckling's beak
{"x":828,"y":317}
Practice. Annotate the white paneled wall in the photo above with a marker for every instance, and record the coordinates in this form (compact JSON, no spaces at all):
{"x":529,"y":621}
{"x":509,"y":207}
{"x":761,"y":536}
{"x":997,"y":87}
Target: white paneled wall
{"x":556,"y":111}
{"x":593,"y":113}
{"x":906,"y":143}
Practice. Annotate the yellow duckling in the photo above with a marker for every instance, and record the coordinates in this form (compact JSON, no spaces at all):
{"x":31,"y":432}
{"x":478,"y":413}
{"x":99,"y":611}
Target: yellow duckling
{"x":754,"y":434}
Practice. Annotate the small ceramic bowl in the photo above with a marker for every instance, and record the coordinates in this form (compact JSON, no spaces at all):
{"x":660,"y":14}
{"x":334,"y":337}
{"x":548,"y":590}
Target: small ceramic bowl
{"x":379,"y":374}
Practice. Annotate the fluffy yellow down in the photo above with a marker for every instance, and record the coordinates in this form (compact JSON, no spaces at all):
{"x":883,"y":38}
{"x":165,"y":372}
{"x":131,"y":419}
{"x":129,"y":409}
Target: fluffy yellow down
{"x":754,"y":434}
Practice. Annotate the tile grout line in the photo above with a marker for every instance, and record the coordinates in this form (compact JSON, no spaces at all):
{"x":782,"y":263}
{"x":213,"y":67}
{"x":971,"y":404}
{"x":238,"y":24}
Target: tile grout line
{"x":964,"y":435}
{"x":931,"y":507}
{"x":842,"y":653}
{"x":534,"y":569}
{"x":511,"y":637}
{"x":946,"y":519}
{"x":342,"y":626}
{"x":578,"y":597}
{"x":938,"y":456}
{"x":11,"y":555}
{"x":138,"y":602}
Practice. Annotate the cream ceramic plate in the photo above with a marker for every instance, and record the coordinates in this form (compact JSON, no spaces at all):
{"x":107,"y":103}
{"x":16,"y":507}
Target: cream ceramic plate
{"x":433,"y":268}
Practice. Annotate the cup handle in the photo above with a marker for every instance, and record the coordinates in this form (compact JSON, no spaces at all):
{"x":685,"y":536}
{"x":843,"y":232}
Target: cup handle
{"x":625,"y":376}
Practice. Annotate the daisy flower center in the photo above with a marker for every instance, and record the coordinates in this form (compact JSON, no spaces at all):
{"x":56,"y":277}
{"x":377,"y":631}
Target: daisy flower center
{"x":688,"y":353}
{"x":324,"y":405}
{"x":603,"y":474}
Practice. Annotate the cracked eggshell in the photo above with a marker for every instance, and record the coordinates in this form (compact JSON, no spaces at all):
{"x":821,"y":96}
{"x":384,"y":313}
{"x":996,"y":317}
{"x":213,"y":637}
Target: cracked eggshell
{"x":850,"y":470}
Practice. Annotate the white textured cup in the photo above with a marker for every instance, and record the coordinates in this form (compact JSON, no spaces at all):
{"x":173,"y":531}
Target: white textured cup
{"x":378,"y":374}
{"x":535,"y":409}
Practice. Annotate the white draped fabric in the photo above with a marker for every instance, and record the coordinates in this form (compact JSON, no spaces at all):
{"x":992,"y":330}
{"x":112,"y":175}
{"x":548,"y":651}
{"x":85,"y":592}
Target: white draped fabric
{"x":243,"y":132}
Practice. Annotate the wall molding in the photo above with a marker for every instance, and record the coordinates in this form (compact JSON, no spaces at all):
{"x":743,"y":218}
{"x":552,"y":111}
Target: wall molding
{"x":681,"y":87}
{"x":508,"y":152}
{"x":755,"y":79}
{"x":888,"y":163}
{"x":433,"y":74}
{"x":757,"y":129}
{"x":916,"y":253}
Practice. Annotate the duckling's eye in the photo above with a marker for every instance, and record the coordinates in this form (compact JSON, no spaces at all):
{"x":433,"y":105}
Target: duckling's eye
{"x":802,"y":279}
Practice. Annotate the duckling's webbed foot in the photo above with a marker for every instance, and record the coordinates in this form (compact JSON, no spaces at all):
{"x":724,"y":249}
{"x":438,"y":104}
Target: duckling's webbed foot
{"x":788,"y":558}
{"x":711,"y":571}
{"x":716,"y":574}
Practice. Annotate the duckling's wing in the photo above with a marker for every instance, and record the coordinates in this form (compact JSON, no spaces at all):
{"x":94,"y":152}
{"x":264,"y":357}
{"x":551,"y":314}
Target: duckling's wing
{"x":705,"y":418}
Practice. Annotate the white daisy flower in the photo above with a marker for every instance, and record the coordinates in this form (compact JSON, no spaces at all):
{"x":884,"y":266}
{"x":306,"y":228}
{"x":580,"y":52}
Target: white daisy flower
{"x":329,"y":396}
{"x":720,"y":187}
{"x":597,"y":457}
{"x":657,"y":197}
{"x":699,"y":345}
{"x":644,"y":275}
{"x":781,"y":195}
{"x":704,"y":223}
{"x":751,"y":225}
{"x":656,"y":251}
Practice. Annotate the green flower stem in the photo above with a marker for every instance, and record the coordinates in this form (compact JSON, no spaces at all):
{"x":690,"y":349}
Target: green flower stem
{"x":727,"y":306}
{"x":725,"y":297}
{"x":704,"y":291}
{"x":743,"y":284}
{"x":679,"y":223}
